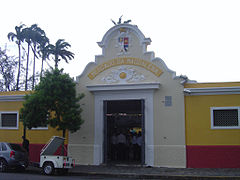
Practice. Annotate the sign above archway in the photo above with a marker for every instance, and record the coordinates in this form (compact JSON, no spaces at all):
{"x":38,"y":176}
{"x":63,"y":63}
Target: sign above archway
{"x":125,"y":61}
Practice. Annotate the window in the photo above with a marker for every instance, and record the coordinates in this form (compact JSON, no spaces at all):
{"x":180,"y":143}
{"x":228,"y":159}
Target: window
{"x":8,"y":120}
{"x":41,"y":128}
{"x":168,"y":101}
{"x":4,"y":147}
{"x":225,"y":118}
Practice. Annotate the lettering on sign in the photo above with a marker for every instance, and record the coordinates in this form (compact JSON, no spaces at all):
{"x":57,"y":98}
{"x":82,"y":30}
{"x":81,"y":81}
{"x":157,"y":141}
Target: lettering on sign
{"x":125,"y":61}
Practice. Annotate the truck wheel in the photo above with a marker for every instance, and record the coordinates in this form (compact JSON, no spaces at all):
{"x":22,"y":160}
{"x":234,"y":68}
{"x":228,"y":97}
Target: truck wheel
{"x":3,"y":165}
{"x":48,"y":168}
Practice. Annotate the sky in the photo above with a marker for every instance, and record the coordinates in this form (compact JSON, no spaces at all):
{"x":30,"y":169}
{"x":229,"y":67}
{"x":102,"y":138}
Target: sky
{"x":196,"y":38}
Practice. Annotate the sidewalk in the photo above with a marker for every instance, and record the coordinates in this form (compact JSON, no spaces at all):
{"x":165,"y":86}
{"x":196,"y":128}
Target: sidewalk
{"x":156,"y":173}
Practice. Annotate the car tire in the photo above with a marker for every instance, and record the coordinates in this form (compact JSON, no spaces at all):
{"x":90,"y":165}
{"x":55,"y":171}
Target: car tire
{"x":48,"y":168}
{"x":3,"y":165}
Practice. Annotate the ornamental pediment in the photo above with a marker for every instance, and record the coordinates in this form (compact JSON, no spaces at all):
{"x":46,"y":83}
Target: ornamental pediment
{"x":125,"y":59}
{"x":125,"y":73}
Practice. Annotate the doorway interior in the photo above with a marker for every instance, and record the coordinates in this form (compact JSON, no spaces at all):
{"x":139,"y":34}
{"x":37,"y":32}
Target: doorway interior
{"x":124,"y":132}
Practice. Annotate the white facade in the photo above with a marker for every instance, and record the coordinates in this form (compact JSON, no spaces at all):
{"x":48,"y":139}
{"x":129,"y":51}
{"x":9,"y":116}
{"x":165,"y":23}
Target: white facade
{"x":127,"y":71}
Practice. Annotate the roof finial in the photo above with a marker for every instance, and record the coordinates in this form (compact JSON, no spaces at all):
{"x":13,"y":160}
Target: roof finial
{"x":120,"y":21}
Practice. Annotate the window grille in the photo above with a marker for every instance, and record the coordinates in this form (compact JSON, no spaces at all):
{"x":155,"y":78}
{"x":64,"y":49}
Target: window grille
{"x":9,"y":119}
{"x":168,"y":101}
{"x":225,"y":117}
{"x":228,"y":117}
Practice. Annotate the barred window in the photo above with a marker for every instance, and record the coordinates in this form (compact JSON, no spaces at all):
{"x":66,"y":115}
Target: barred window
{"x":225,"y":117}
{"x":8,"y":120}
{"x":168,"y":101}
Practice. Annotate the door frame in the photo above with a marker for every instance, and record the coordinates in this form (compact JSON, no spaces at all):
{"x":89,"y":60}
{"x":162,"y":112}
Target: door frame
{"x":105,"y":141}
{"x":100,"y":97}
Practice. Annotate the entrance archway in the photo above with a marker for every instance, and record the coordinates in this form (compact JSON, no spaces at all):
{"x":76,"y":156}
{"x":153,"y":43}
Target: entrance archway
{"x":124,"y":132}
{"x":103,"y":93}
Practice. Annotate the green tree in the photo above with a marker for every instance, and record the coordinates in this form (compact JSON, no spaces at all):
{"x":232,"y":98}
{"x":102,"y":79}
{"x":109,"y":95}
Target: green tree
{"x":59,"y":50}
{"x":33,"y":114}
{"x":55,"y":102}
{"x":18,"y":38}
{"x":8,"y":66}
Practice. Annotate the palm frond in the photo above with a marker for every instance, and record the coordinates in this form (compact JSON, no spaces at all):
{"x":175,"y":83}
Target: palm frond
{"x":11,"y":36}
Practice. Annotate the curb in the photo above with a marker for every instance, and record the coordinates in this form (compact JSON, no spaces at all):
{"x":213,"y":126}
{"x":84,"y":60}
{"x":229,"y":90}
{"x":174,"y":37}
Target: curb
{"x":135,"y":175}
{"x":155,"y":176}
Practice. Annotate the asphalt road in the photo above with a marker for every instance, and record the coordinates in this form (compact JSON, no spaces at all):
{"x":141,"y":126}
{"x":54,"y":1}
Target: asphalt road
{"x":36,"y":175}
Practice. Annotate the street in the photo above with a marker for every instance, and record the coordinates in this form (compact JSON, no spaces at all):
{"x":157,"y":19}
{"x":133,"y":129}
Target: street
{"x":29,"y":176}
{"x":37,"y":175}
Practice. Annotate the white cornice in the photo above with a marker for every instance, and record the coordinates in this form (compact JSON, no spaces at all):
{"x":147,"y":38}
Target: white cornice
{"x":12,"y":98}
{"x":212,"y":91}
{"x":115,"y":87}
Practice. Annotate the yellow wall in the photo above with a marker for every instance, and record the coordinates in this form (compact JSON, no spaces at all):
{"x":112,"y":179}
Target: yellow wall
{"x":8,"y":93}
{"x":209,"y":85}
{"x":198,"y":120}
{"x":14,"y":135}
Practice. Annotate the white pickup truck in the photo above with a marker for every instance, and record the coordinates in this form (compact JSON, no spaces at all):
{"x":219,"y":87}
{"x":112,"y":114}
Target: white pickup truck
{"x":50,"y":162}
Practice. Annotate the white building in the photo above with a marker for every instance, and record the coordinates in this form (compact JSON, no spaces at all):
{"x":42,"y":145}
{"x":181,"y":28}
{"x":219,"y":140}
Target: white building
{"x":128,"y":88}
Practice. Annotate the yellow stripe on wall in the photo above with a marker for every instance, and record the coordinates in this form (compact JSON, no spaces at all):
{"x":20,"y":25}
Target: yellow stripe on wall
{"x":208,"y":85}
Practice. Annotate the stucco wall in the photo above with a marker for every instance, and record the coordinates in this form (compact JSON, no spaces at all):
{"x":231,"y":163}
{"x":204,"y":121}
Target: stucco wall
{"x":166,"y":147}
{"x":208,"y":147}
{"x":169,"y":125}
{"x":13,"y":102}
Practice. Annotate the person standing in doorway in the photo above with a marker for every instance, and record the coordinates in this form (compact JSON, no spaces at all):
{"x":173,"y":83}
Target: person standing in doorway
{"x":134,"y":146}
{"x":114,"y":147}
{"x":139,"y":145}
{"x":121,"y":139}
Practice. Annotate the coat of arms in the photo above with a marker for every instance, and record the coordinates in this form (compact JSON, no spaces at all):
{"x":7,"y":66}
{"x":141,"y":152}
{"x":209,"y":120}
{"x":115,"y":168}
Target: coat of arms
{"x":123,"y":40}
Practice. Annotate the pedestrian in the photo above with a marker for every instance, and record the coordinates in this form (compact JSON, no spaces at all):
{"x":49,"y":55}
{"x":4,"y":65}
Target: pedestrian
{"x":139,"y":145}
{"x":25,"y":143}
{"x":114,"y":146}
{"x":121,"y":139}
{"x":135,"y":146}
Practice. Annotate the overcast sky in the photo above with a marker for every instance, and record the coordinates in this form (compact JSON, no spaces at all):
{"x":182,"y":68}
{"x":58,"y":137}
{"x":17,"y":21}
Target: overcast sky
{"x":197,"y":38}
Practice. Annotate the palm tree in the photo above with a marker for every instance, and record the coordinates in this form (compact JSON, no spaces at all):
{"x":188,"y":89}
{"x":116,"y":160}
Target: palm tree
{"x":59,"y":50}
{"x":27,"y":37}
{"x":18,"y":38}
{"x":37,"y":35}
{"x":33,"y":36}
{"x":43,"y":51}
